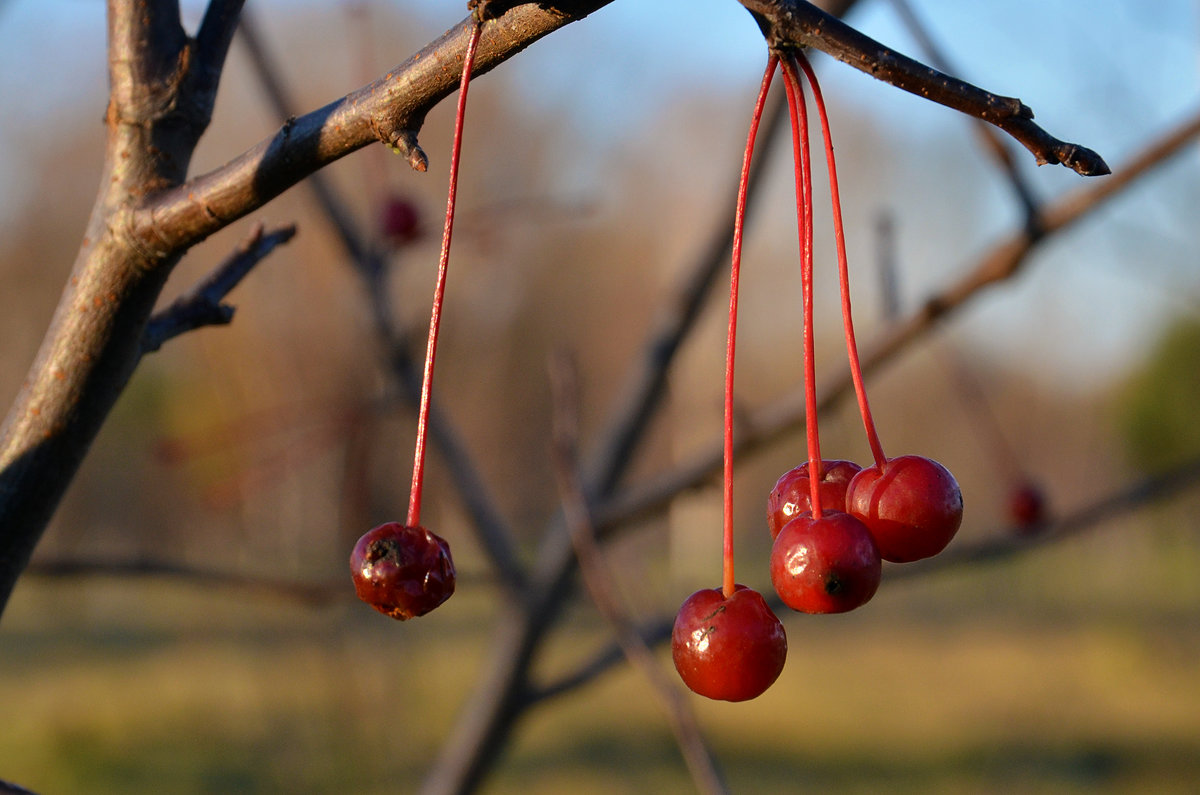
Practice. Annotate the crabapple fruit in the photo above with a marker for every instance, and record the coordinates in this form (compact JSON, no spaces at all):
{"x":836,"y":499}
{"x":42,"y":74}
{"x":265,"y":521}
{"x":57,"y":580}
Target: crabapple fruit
{"x":402,"y":571}
{"x":792,"y":494}
{"x":728,"y":649}
{"x":1026,"y":508}
{"x":912,"y":505}
{"x":826,"y":565}
{"x":399,"y":221}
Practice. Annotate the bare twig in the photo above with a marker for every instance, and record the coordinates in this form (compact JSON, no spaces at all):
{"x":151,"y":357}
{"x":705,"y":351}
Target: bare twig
{"x":599,"y":582}
{"x":795,"y":23}
{"x":204,"y":305}
{"x":987,"y":134}
{"x":313,"y":594}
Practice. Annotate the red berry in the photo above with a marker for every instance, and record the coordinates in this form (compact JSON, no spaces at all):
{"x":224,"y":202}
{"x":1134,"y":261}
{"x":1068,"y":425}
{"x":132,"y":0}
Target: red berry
{"x":402,"y":571}
{"x":826,"y":565}
{"x":912,"y":505}
{"x":399,"y":221}
{"x":792,"y":495}
{"x":1026,"y":508}
{"x":728,"y":649}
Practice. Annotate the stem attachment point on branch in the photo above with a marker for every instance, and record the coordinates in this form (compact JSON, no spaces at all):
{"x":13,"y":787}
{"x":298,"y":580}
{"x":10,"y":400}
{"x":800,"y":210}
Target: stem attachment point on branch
{"x":404,"y":143}
{"x":795,"y":24}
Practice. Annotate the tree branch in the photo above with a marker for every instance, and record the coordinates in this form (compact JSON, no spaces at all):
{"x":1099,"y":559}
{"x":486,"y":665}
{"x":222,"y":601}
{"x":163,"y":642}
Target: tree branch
{"x":203,"y":304}
{"x":795,"y":23}
{"x":991,"y":139}
{"x":312,"y":594}
{"x":645,"y":383}
{"x":391,"y":109}
{"x":599,"y":582}
{"x":212,"y":46}
{"x":494,"y":534}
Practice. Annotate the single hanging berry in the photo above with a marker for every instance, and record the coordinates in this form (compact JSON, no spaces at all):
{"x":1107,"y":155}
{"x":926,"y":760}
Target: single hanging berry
{"x":728,"y":649}
{"x":826,"y":565}
{"x":399,"y":221}
{"x":402,"y":571}
{"x":912,"y":505}
{"x":727,"y":644}
{"x":1027,"y":508}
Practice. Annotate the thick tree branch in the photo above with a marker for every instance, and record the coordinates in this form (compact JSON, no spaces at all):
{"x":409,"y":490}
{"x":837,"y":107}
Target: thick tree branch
{"x":155,"y":116}
{"x":392,"y":109}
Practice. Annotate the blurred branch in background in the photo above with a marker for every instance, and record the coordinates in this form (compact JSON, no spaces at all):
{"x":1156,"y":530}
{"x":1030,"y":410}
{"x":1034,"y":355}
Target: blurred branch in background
{"x":371,"y":265}
{"x":598,"y":581}
{"x":1002,"y":261}
{"x":991,"y":140}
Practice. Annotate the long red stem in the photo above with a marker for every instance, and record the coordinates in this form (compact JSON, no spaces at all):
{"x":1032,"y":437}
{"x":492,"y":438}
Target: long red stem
{"x":802,"y":157}
{"x":856,"y":376}
{"x":739,"y":222}
{"x":439,"y":291}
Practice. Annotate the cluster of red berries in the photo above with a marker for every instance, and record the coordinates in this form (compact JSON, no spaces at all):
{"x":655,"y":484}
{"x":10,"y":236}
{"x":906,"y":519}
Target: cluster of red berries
{"x":833,"y":522}
{"x":404,"y":570}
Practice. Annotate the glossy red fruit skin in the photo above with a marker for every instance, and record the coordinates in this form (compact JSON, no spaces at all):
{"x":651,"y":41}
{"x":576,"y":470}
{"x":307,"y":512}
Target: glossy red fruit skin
{"x":792,"y":495}
{"x":913,"y":506}
{"x":728,"y":649}
{"x":402,"y":571}
{"x":826,"y":565}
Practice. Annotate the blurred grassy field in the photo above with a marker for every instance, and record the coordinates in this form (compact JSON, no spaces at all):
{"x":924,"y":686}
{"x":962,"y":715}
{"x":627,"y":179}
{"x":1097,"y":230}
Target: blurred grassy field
{"x":1074,"y":669}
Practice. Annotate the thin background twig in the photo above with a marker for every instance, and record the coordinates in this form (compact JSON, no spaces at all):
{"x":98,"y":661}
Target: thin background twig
{"x":598,"y":581}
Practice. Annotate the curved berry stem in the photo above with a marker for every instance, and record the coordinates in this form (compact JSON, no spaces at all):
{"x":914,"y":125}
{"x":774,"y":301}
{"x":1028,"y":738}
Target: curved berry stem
{"x":739,"y":223}
{"x":802,"y":159}
{"x":856,"y":376}
{"x":439,"y":291}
